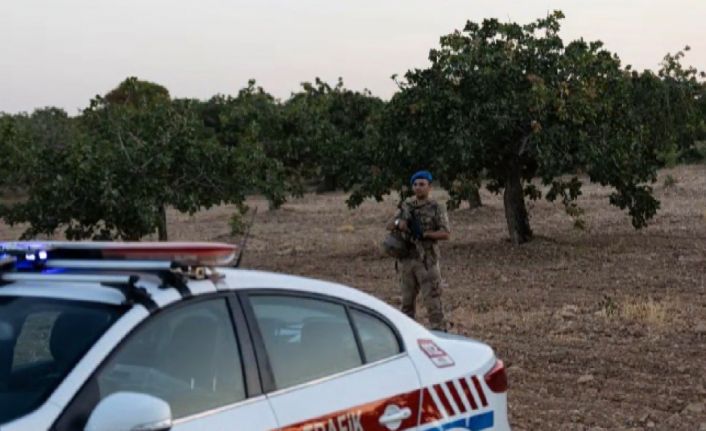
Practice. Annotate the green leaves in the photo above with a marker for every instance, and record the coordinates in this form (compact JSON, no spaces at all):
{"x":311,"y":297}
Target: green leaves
{"x":500,"y":97}
{"x":111,"y":172}
{"x":327,"y":133}
{"x":639,"y":201}
{"x":135,"y":93}
{"x":502,"y":103}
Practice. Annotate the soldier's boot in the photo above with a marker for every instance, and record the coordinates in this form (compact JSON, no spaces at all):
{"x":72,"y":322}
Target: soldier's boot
{"x":436,"y":314}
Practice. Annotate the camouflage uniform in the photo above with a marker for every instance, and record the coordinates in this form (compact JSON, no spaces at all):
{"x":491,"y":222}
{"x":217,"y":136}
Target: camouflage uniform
{"x":420,"y":271}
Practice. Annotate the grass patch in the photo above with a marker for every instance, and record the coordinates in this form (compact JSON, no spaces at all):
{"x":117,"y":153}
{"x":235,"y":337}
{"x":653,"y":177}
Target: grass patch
{"x":646,"y":311}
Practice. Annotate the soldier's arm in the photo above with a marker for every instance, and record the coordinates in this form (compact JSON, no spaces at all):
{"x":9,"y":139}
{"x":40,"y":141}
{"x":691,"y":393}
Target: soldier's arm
{"x":402,"y":224}
{"x":443,"y":232}
{"x":391,"y":225}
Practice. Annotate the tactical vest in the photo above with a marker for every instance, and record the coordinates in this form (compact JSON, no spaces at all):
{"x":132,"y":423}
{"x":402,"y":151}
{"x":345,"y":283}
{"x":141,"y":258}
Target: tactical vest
{"x":428,"y":215}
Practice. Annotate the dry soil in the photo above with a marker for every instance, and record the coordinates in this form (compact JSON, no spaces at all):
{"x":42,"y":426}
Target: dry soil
{"x":602,"y":327}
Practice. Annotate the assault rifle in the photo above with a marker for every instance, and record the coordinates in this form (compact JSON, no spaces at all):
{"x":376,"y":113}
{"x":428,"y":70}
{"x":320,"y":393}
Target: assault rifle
{"x":415,"y":228}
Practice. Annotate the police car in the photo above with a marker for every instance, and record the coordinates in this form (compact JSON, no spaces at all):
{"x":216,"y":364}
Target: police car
{"x":167,"y":336}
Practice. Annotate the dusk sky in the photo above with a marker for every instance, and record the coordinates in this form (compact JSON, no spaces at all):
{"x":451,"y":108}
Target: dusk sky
{"x":63,"y":52}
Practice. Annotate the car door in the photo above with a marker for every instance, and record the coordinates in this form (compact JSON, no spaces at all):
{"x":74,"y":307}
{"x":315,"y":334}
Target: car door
{"x":330,"y":365}
{"x":192,"y":357}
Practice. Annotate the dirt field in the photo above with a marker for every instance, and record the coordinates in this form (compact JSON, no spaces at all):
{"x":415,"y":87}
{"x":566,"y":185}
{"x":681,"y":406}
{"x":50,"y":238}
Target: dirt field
{"x":602,"y":328}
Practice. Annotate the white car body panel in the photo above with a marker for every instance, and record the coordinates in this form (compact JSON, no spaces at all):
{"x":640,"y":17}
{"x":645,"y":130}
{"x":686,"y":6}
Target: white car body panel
{"x":253,"y":414}
{"x":347,"y":397}
{"x":343,"y":395}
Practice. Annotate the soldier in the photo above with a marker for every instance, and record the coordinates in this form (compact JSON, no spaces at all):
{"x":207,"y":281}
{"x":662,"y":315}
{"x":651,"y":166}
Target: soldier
{"x":425,"y":221}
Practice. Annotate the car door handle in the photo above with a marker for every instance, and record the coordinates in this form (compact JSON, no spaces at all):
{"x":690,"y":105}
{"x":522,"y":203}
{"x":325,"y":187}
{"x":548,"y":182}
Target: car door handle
{"x":396,"y":416}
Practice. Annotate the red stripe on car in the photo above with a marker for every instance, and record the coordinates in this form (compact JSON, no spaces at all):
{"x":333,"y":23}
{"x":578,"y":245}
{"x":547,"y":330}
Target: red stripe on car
{"x":468,"y":393}
{"x":456,"y":396}
{"x":367,"y":416}
{"x":362,"y":417}
{"x":479,"y":388}
{"x":442,"y":397}
{"x":430,"y":412}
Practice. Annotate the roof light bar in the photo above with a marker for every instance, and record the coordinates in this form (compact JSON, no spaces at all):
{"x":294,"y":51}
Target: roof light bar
{"x":185,"y":253}
{"x":172,"y":262}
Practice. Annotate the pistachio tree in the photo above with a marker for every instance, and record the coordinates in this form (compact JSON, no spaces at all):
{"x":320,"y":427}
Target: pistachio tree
{"x":514,"y":104}
{"x":113,"y":171}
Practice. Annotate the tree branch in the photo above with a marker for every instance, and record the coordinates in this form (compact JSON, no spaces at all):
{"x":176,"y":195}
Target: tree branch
{"x":524,"y":145}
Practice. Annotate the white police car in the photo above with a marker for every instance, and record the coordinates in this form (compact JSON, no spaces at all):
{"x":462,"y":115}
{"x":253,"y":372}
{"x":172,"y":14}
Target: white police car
{"x":154,"y":336}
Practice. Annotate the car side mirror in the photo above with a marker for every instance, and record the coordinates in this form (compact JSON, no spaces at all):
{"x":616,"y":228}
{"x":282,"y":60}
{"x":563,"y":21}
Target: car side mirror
{"x":130,"y":411}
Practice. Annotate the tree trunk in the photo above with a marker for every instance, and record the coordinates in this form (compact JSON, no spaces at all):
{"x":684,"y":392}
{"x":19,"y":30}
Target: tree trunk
{"x":328,"y":183}
{"x":162,"y":224}
{"x":515,"y":210}
{"x":474,"y":198}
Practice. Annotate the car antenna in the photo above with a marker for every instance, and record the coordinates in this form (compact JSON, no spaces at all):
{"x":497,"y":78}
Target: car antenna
{"x":244,"y":242}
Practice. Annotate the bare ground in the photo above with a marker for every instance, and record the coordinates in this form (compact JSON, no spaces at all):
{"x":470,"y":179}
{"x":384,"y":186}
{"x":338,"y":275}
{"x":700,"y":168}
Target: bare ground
{"x":602,"y":328}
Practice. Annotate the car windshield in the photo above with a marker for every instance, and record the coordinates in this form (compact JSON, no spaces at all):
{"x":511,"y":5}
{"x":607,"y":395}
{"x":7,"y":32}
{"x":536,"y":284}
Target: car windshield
{"x":41,"y":339}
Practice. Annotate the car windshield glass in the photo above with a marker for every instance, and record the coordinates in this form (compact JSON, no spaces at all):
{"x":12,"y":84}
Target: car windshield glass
{"x":41,"y":340}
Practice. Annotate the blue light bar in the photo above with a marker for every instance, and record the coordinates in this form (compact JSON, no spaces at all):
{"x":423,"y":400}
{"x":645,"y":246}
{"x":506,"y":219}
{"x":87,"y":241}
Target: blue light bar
{"x":23,"y":246}
{"x":187,"y":253}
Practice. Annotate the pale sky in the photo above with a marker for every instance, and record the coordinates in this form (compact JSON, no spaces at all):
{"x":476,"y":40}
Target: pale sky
{"x":63,"y":52}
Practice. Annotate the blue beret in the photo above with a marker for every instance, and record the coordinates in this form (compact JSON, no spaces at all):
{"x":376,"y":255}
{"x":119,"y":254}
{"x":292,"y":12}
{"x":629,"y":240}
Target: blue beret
{"x":426,"y":175}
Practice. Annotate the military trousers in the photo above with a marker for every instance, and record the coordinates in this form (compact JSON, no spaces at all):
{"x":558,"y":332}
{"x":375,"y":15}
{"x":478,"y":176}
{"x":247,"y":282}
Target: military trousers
{"x":417,"y":276}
